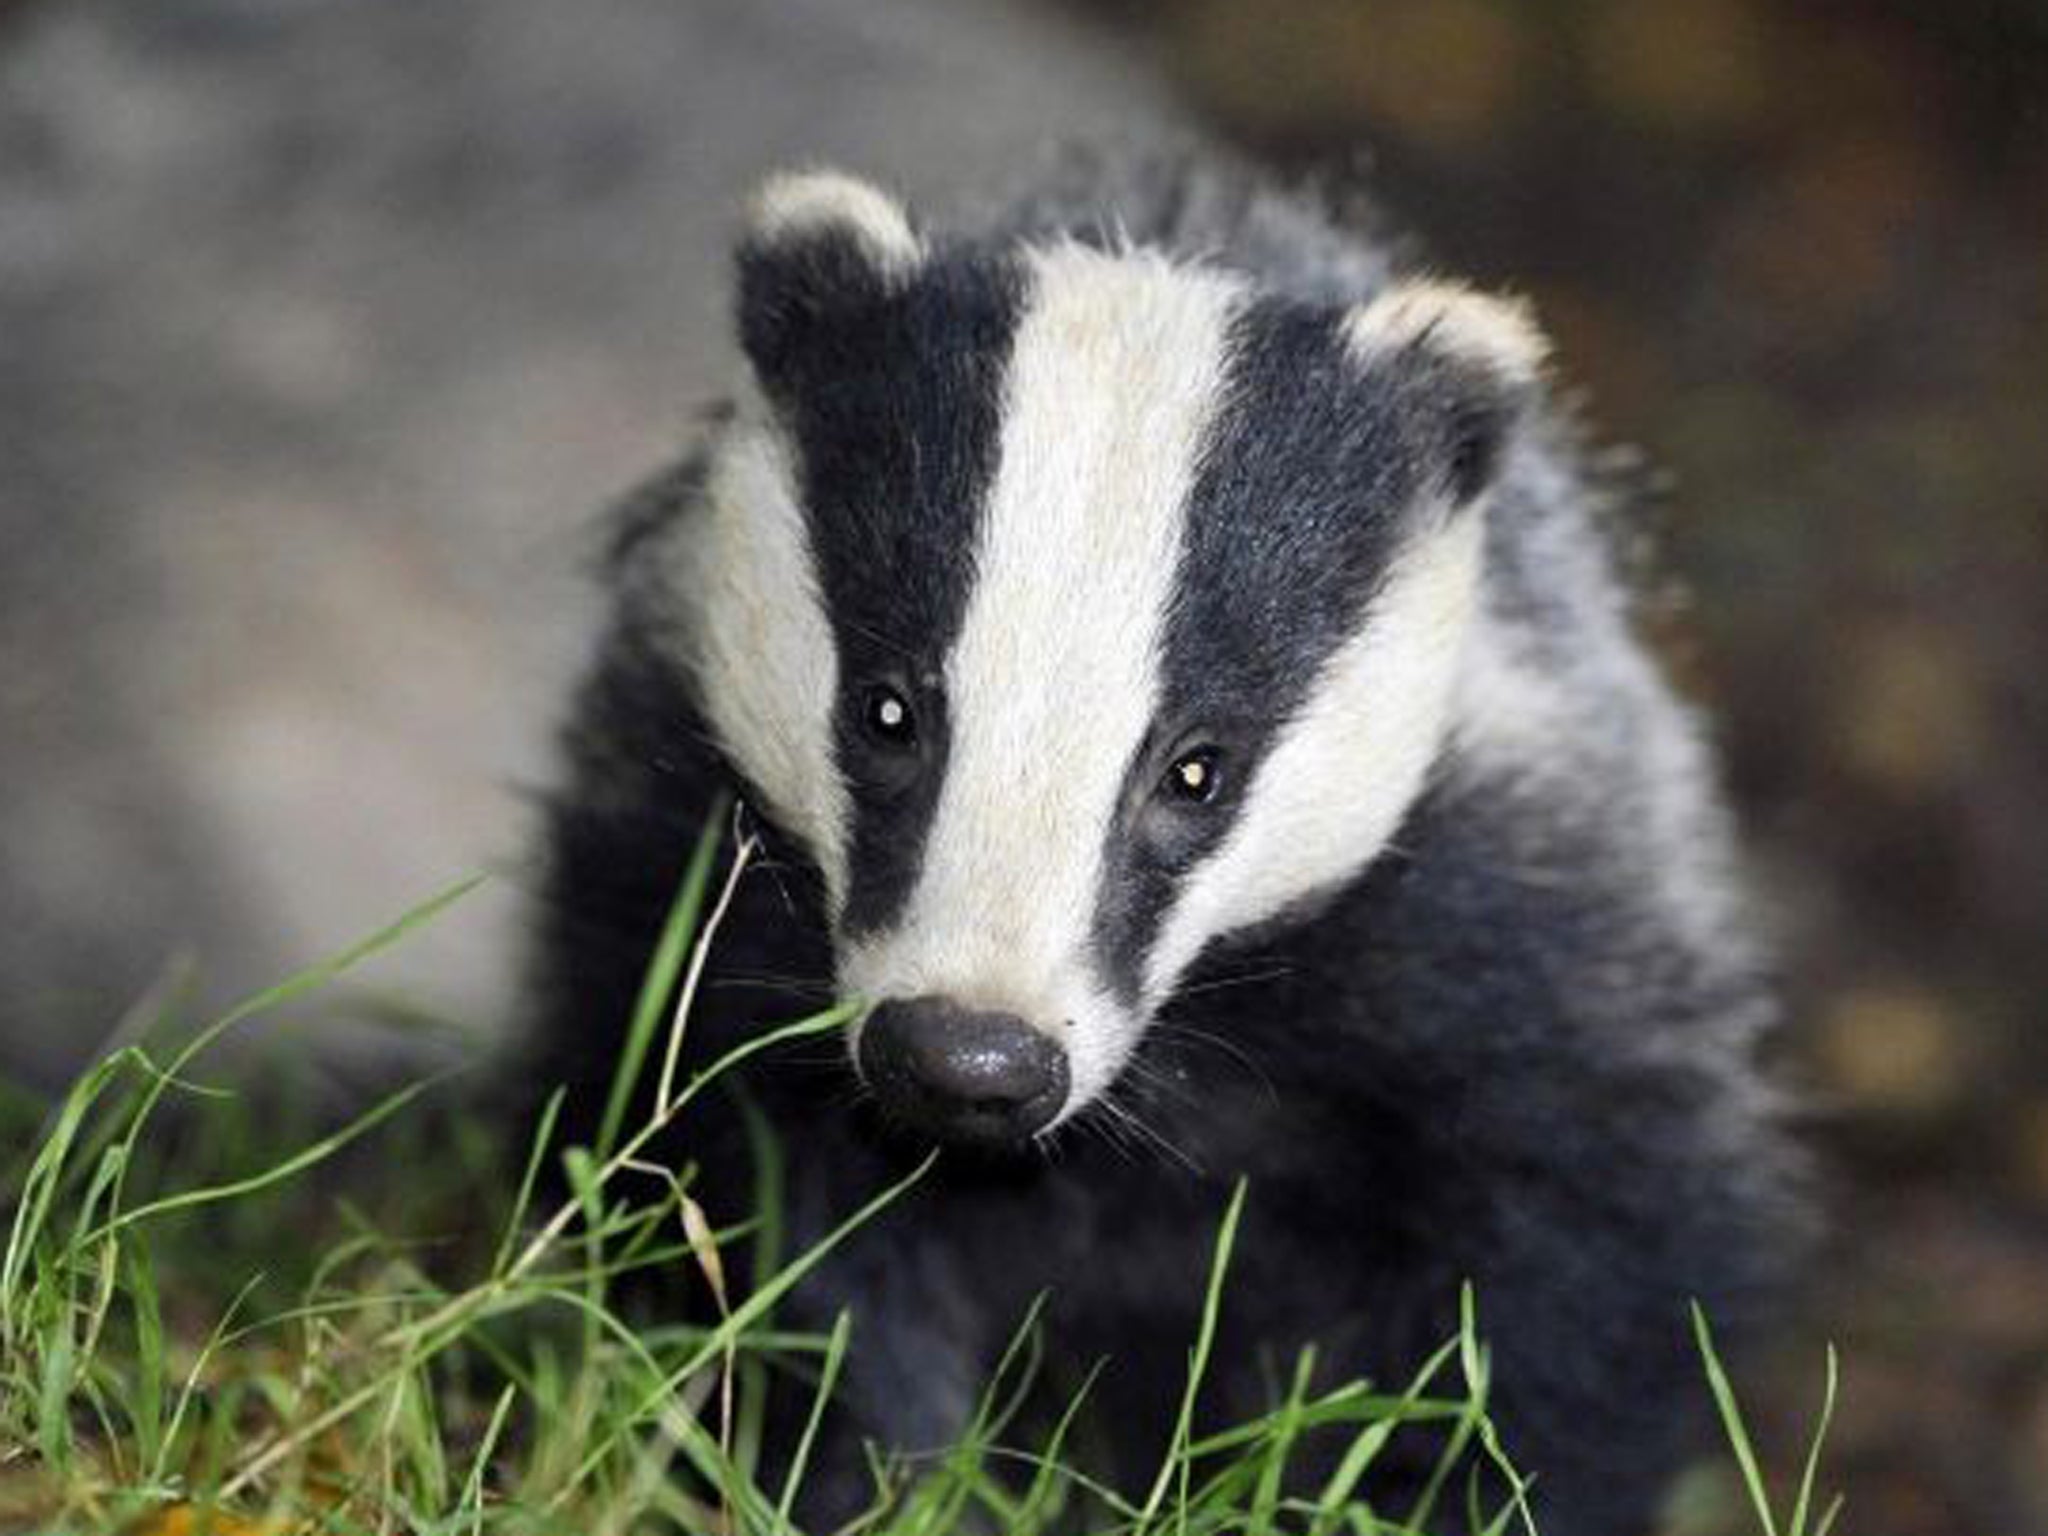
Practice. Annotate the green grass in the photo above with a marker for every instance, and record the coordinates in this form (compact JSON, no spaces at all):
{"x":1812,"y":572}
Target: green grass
{"x":207,"y":1322}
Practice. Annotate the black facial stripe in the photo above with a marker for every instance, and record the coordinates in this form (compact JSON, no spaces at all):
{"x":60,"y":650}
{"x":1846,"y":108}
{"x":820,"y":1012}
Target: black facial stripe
{"x":894,"y":403}
{"x":1294,"y":515}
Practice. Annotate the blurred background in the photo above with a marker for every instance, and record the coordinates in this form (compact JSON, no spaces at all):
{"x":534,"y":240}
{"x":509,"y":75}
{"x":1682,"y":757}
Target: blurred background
{"x":324,"y":324}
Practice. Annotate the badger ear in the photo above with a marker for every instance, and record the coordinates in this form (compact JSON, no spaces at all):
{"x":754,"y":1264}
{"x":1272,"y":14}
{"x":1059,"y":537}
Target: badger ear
{"x":818,"y":245}
{"x":1466,"y":364}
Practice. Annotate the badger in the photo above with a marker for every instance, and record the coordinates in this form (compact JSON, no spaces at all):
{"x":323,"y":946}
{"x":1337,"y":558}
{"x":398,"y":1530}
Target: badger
{"x":1173,"y":653}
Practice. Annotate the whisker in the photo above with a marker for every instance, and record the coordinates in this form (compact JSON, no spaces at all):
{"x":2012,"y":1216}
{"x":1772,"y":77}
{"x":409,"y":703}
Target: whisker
{"x":1178,"y":1030}
{"x":1145,"y":1132}
{"x":786,"y":986}
{"x":1246,"y":979}
{"x":1109,"y":1130}
{"x":1151,"y":1077}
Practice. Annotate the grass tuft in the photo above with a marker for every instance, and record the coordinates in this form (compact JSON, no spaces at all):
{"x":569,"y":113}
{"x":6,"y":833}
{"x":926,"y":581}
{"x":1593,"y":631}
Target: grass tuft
{"x":206,"y":1323}
{"x":1732,"y":1422}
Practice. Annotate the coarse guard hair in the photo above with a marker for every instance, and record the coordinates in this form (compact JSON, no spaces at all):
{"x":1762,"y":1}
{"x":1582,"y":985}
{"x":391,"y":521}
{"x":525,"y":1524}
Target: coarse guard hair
{"x":1167,"y":652}
{"x":1081,"y":513}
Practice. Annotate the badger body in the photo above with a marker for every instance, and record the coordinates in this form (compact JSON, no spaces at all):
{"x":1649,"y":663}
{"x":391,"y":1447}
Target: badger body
{"x":1173,"y":662}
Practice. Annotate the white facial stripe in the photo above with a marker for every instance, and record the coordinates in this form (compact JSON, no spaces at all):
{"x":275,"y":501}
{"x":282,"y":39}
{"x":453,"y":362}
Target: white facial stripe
{"x":759,"y":641}
{"x":1337,"y":782}
{"x":1116,"y":370}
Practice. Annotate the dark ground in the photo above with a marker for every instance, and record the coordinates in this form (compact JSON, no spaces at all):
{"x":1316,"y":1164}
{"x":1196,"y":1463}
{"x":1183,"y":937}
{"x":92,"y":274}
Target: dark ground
{"x":1798,"y":252}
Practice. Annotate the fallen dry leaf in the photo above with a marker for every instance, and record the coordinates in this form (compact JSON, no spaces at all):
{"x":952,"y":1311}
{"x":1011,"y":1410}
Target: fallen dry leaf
{"x":191,"y":1520}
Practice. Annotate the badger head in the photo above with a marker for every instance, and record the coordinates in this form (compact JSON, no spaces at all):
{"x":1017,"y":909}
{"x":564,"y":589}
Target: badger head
{"x":1076,"y":608}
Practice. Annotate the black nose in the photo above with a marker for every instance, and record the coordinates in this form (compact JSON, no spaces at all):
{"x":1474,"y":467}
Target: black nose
{"x":983,"y":1078}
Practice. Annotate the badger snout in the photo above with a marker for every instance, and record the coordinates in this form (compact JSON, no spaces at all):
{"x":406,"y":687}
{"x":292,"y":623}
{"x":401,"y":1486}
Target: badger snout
{"x":986,"y":1079}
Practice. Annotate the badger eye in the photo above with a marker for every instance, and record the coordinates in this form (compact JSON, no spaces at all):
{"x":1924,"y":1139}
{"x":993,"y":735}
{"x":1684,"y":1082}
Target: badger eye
{"x":886,"y":715}
{"x":1195,"y":776}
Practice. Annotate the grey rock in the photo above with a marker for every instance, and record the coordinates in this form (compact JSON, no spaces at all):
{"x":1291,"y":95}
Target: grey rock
{"x":326,"y":326}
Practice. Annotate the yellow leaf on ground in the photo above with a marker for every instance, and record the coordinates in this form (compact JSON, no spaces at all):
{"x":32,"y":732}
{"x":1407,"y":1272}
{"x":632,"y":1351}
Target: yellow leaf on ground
{"x":190,"y":1520}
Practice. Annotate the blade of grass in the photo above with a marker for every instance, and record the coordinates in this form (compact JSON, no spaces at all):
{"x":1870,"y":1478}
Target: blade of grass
{"x":1473,"y":1361}
{"x":53,"y":1410}
{"x":1198,"y":1362}
{"x":1797,"y":1527}
{"x":1041,"y":1501}
{"x":1279,"y":1447}
{"x":693,"y":975}
{"x":221,"y":1331}
{"x":487,"y":1447}
{"x":741,"y":1316}
{"x":145,"y":1397}
{"x":311,"y":979}
{"x":658,"y":984}
{"x":522,"y":1200}
{"x":828,"y":1378}
{"x":1731,"y":1419}
{"x":41,"y":1185}
{"x":1366,"y":1448}
{"x":1476,"y":1359}
{"x":305,"y":1158}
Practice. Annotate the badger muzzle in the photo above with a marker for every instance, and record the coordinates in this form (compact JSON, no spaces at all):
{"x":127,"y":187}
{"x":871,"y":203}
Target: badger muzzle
{"x":962,"y":1076}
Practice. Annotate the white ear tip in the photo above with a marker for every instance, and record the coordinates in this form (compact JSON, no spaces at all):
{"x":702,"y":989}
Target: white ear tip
{"x":1499,"y":334}
{"x":794,"y":204}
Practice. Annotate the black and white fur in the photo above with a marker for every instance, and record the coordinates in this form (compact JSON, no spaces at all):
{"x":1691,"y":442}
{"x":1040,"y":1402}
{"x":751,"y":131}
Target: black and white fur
{"x":1450,"y":966}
